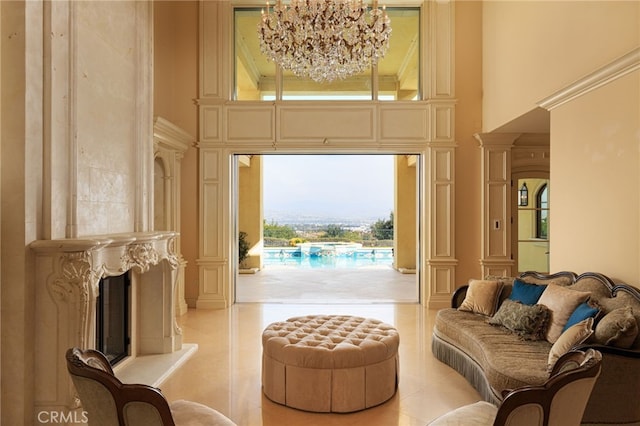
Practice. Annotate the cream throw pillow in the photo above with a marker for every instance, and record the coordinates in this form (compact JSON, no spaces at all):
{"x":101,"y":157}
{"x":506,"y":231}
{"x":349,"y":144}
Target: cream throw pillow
{"x":482,"y":297}
{"x":572,"y":336}
{"x":561,"y":301}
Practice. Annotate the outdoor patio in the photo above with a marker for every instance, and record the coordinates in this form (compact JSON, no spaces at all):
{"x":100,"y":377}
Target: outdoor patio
{"x":287,"y":284}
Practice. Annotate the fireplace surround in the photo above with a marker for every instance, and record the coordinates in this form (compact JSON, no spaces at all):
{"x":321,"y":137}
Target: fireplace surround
{"x":68,"y":272}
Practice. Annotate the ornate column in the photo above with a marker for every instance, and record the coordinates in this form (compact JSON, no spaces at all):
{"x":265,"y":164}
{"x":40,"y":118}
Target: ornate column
{"x":214,"y":281}
{"x":495,"y":188}
{"x":438,"y":237}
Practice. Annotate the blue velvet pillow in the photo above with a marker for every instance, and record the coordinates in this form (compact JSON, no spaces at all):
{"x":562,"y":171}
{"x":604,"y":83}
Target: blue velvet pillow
{"x":582,"y":312}
{"x":525,"y":293}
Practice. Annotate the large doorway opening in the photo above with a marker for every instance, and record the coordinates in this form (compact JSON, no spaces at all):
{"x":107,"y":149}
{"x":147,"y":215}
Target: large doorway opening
{"x":339,"y":228}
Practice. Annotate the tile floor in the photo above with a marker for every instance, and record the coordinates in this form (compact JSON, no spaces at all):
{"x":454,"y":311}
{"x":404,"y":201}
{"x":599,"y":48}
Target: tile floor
{"x":225,"y":371}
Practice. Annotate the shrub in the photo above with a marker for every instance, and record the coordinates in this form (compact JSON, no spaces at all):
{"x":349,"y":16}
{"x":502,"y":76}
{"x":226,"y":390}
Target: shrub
{"x":295,"y":241}
{"x":243,"y":247}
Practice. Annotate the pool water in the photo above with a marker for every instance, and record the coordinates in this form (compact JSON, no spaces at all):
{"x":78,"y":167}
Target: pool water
{"x":362,"y":257}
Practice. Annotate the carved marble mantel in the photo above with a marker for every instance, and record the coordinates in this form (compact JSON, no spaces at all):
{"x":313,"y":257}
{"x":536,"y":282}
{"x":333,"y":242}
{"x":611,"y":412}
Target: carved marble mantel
{"x":69,"y":271}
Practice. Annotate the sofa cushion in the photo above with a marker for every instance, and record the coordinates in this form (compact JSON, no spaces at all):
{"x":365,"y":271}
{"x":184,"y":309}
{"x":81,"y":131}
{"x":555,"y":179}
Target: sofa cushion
{"x":574,"y":335}
{"x":583,"y":311}
{"x":482,"y":297}
{"x":527,"y":321}
{"x":618,"y":328}
{"x":561,"y":302}
{"x":526,"y":293}
{"x":508,"y":362}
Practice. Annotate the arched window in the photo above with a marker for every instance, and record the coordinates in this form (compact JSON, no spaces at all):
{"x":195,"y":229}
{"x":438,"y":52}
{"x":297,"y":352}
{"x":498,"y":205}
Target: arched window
{"x":542,"y":212}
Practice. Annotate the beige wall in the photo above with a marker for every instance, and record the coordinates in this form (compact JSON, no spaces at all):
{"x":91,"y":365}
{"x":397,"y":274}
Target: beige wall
{"x":468,"y":75}
{"x":595,"y":175}
{"x":250,"y":204}
{"x":533,"y":48}
{"x":405,"y":241}
{"x":18,"y":225}
{"x":175,"y":89}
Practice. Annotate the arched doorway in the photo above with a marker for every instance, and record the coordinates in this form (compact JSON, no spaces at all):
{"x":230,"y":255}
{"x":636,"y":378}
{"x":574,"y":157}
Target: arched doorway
{"x":530,"y":246}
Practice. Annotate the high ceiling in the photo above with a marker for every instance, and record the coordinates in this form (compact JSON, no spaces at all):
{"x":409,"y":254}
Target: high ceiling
{"x":397,"y":73}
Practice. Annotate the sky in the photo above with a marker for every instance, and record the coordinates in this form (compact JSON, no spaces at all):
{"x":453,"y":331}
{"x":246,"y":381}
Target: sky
{"x":349,"y":186}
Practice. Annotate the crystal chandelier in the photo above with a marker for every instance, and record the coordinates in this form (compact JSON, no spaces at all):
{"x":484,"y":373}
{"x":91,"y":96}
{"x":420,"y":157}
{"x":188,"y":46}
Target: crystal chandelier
{"x":324,"y":39}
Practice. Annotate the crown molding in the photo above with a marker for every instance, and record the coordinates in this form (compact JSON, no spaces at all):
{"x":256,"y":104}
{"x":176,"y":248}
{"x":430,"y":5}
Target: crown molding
{"x":171,"y":135}
{"x":610,"y":72}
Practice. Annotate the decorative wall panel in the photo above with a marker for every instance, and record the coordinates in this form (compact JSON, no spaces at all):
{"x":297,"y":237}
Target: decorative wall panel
{"x":210,"y":121}
{"x":211,"y":166}
{"x":333,"y":121}
{"x":211,"y":48}
{"x":213,"y":287}
{"x":440,"y":62}
{"x":211,"y":220}
{"x":441,"y":121}
{"x":404,"y":123}
{"x":250,"y":123}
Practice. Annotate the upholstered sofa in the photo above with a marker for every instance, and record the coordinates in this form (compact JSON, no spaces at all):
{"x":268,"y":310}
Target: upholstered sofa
{"x":502,"y":333}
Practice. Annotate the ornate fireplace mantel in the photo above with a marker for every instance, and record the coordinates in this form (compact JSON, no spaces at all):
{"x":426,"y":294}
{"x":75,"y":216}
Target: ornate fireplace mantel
{"x":69,"y":271}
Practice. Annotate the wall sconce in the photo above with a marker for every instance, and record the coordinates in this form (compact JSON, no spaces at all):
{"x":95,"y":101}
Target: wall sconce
{"x":523,"y":193}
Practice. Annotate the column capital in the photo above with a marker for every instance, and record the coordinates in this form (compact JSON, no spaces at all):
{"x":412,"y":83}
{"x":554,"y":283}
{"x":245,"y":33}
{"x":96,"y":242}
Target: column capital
{"x":497,"y":139}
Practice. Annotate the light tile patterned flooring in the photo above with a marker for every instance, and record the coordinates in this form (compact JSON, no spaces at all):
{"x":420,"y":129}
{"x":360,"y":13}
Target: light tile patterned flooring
{"x":225,"y":372}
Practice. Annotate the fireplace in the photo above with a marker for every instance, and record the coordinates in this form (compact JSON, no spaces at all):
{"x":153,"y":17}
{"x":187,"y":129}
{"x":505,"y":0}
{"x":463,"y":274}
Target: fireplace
{"x":112,"y":317}
{"x":132,"y":279}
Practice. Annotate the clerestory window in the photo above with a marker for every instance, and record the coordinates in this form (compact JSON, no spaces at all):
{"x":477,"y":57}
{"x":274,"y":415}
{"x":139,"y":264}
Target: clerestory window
{"x":396,"y":76}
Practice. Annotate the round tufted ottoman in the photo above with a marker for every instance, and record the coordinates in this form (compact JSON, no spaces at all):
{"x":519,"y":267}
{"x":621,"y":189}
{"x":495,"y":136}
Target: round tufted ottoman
{"x":330,"y":363}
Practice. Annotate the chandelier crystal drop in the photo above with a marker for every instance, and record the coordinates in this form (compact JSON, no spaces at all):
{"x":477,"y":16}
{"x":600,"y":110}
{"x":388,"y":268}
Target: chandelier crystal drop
{"x":324,"y":40}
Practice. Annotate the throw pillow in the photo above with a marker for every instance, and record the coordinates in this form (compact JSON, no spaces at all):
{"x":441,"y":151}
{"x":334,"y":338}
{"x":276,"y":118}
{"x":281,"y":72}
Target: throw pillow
{"x":574,"y":335}
{"x":618,"y":328}
{"x":525,"y":292}
{"x":482,"y":297}
{"x":582,"y":312}
{"x":561,"y":301}
{"x":527,"y":321}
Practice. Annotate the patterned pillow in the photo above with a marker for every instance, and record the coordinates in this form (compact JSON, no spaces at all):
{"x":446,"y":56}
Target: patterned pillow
{"x":527,"y":321}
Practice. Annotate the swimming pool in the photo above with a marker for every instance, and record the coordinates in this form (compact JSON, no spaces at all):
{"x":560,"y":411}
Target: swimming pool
{"x":355,"y":258}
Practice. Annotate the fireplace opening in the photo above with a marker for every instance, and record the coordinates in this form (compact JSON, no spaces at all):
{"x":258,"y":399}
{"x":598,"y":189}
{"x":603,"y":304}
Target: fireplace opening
{"x":112,"y":317}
